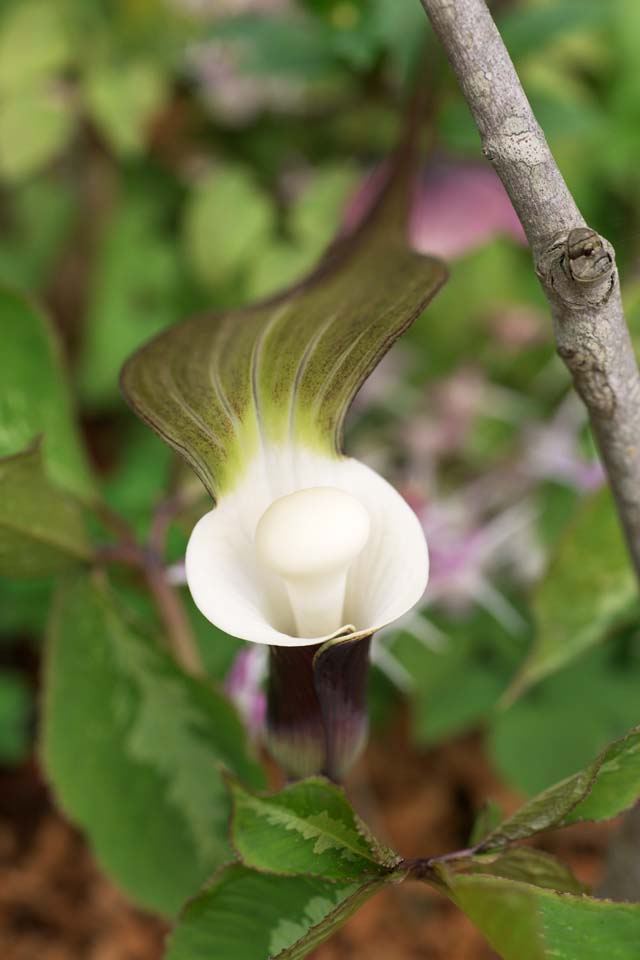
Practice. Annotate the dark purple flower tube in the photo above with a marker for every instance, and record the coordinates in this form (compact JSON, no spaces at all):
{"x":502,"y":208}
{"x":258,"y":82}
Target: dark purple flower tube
{"x":317,"y":706}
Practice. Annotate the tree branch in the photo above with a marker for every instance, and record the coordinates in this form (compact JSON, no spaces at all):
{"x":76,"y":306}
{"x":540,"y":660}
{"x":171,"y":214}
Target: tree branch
{"x":576,"y":267}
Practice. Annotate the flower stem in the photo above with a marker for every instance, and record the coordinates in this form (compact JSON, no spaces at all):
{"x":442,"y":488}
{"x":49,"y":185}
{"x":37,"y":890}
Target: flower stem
{"x":149,"y":561}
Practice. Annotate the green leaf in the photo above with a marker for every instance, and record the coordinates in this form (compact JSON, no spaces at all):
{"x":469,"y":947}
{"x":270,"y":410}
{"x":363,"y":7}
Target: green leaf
{"x":308,"y":828}
{"x":285,"y":371}
{"x":522,"y":921}
{"x":136,"y":291}
{"x":42,"y":527}
{"x":35,"y":398}
{"x":24,"y":605}
{"x":33,"y":44}
{"x":602,"y":790}
{"x":228,"y":221}
{"x":35,"y":126}
{"x":133,"y":748}
{"x":141,"y":478}
{"x":15,"y":706}
{"x":487,"y":819}
{"x":286,"y":46}
{"x":591,"y":566}
{"x":245,"y":915}
{"x":526,"y":29}
{"x":123,"y":99}
{"x":521,"y":863}
{"x":40,"y":214}
{"x":457,"y":684}
{"x":314,"y":220}
{"x":548,"y":735}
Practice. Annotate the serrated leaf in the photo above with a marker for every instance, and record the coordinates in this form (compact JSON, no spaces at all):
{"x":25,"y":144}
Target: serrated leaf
{"x":524,"y":864}
{"x":522,"y":921}
{"x":133,"y":748}
{"x":42,"y":527}
{"x":286,"y":371}
{"x":604,"y":789}
{"x":591,"y":566}
{"x":307,"y":828}
{"x":35,"y":398}
{"x":245,"y":915}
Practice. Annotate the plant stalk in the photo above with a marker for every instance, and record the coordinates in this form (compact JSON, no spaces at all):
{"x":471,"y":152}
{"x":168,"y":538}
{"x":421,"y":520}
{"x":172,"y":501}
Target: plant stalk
{"x":575,"y":265}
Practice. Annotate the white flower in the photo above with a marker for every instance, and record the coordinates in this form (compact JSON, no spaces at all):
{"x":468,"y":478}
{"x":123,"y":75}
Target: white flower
{"x":236,"y":590}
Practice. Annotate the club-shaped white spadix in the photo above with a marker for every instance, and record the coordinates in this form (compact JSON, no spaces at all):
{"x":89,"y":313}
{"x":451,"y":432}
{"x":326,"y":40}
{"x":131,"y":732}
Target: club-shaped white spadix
{"x":310,"y":538}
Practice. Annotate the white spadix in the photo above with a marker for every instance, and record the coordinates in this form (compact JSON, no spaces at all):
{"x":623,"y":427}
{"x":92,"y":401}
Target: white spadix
{"x":310,"y":538}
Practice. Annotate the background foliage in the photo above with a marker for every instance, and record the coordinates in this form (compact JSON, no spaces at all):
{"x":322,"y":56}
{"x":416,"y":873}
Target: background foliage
{"x":159,"y":157}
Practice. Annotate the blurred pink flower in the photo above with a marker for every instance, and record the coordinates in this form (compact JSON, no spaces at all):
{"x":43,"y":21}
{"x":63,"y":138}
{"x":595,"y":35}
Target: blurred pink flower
{"x":465,"y":552}
{"x":552,"y":450}
{"x":244,"y":685}
{"x":233,"y":94}
{"x":458,"y":205}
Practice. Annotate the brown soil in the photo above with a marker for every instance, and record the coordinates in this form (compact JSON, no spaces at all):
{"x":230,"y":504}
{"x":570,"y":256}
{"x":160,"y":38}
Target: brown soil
{"x":55,"y":905}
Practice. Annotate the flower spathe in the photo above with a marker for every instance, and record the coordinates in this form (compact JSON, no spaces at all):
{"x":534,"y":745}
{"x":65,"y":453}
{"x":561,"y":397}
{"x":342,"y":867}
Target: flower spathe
{"x":255,"y":400}
{"x":235,"y":591}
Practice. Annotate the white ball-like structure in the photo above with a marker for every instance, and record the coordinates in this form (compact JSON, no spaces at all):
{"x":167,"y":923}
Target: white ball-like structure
{"x":310,"y":538}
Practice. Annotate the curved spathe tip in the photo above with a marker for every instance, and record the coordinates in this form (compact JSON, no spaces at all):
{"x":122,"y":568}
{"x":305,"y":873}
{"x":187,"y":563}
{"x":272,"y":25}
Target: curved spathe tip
{"x":236,"y":593}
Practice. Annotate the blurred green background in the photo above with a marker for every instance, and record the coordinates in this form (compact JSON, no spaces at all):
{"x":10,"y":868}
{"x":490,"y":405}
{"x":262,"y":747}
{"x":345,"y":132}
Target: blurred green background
{"x":158,"y":157}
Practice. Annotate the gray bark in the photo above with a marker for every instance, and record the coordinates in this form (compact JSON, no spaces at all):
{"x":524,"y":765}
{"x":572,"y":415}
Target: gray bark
{"x":576,"y":267}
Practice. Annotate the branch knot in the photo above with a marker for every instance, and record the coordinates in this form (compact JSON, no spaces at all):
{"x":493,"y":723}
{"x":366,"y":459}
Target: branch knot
{"x":579,"y":267}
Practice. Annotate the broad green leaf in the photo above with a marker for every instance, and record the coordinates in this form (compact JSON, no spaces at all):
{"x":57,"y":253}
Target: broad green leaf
{"x":228,"y":222}
{"x":15,"y":706}
{"x":42,"y":528}
{"x":123,"y":99}
{"x":245,"y":915}
{"x":522,"y":921}
{"x":604,"y":789}
{"x":308,"y":828}
{"x":136,"y":291}
{"x":133,"y":748}
{"x":35,"y":126}
{"x":35,"y":399}
{"x":591,"y":567}
{"x":285,"y":371}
